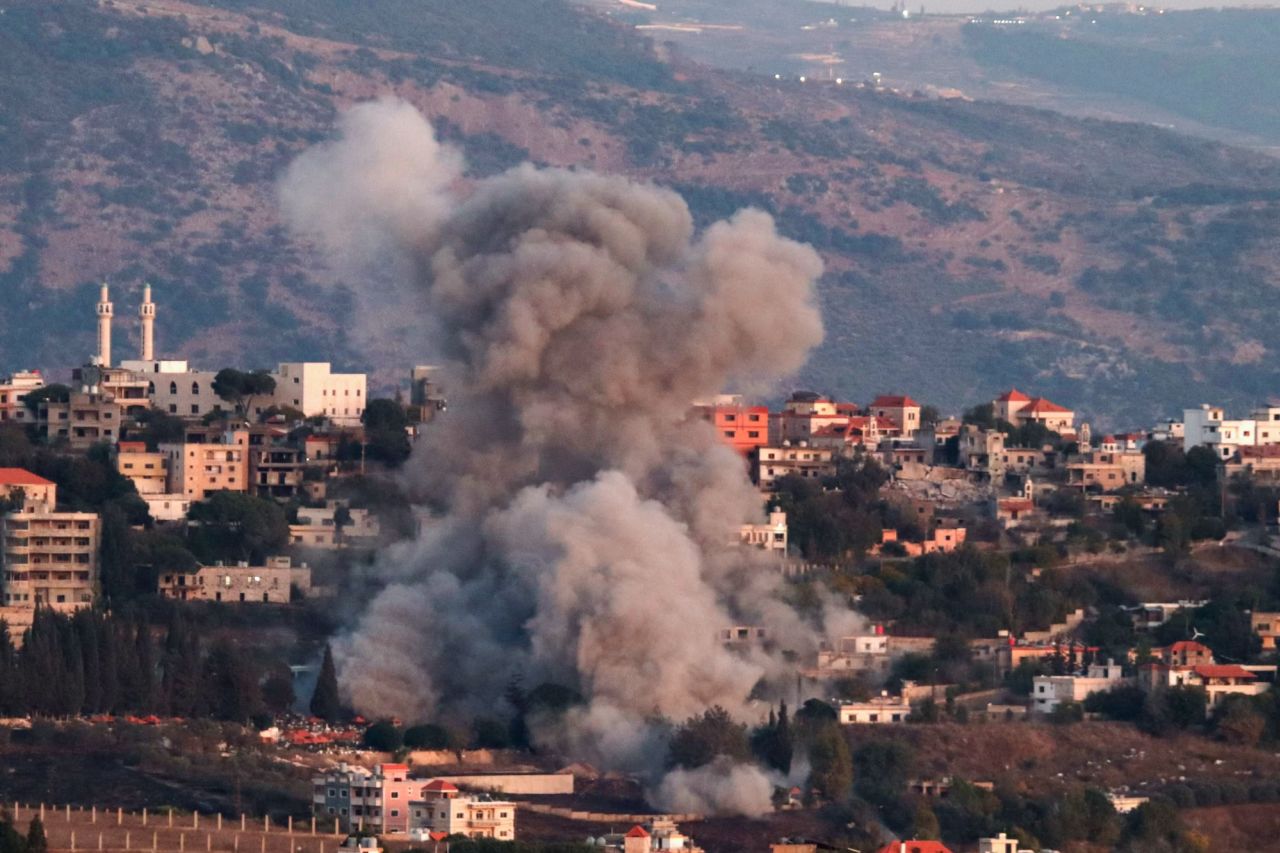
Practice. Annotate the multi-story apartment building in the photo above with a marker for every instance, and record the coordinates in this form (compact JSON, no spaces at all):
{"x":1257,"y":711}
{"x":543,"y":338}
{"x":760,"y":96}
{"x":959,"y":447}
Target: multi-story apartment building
{"x":275,"y":471}
{"x":378,"y":800}
{"x":148,"y":469}
{"x":272,"y":583}
{"x":902,"y":410}
{"x":740,"y":426}
{"x":208,"y":462}
{"x":50,"y":559}
{"x":773,"y":463}
{"x":83,"y":420}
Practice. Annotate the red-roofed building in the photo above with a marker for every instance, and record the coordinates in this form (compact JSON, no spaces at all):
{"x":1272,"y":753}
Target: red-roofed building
{"x":1017,"y":408}
{"x":1262,"y":463}
{"x":900,"y":409}
{"x":806,"y":414}
{"x":34,"y":488}
{"x":1217,"y":680}
{"x":914,"y":847}
{"x":1185,"y":653}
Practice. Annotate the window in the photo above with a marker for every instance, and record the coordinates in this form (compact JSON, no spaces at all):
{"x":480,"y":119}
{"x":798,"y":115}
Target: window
{"x":173,"y":388}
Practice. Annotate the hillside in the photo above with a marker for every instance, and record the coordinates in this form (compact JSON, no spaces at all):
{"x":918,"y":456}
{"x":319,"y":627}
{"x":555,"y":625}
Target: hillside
{"x":1120,"y":268}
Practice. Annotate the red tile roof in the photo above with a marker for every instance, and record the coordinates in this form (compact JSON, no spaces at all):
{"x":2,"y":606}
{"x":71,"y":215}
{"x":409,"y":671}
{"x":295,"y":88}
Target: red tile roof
{"x":1040,"y":405}
{"x":1016,"y":503}
{"x":637,"y":832}
{"x":440,"y":785}
{"x":914,"y":847}
{"x":1013,"y":395}
{"x":1189,"y":646}
{"x":21,"y":477}
{"x":890,"y":401}
{"x":1223,"y":671}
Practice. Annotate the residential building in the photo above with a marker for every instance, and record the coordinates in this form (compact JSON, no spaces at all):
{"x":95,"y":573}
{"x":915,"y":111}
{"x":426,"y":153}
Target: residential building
{"x":1150,"y":615}
{"x":208,"y":462}
{"x":1000,"y":844}
{"x":378,"y":800}
{"x":1266,"y":624}
{"x":1108,"y":468}
{"x":659,"y":834}
{"x":167,"y":507}
{"x":941,"y":539}
{"x":1217,"y":680}
{"x":272,"y":583}
{"x":740,"y":426}
{"x":441,"y":807}
{"x":35,"y":490}
{"x":770,"y":536}
{"x":902,"y":410}
{"x":50,"y":560}
{"x":982,"y":452}
{"x":1050,"y":691}
{"x":313,"y":389}
{"x":773,"y":463}
{"x":1125,"y":803}
{"x":84,"y":419}
{"x":914,"y":847}
{"x":124,"y":386}
{"x":1261,"y":464}
{"x":12,"y":391}
{"x":1208,"y":426}
{"x":317,"y":527}
{"x":877,"y":710}
{"x":276,"y":471}
{"x":1018,"y":409}
{"x":1185,"y":653}
{"x":743,"y":636}
{"x":866,"y":654}
{"x":149,"y":470}
{"x":805,"y":414}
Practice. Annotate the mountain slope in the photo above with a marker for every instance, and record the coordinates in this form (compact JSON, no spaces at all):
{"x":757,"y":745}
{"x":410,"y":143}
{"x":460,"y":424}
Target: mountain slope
{"x":1123,"y":269}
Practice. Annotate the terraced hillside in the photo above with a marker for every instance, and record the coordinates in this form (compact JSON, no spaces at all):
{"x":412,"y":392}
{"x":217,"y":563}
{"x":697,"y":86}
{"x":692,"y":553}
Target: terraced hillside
{"x":969,"y":245}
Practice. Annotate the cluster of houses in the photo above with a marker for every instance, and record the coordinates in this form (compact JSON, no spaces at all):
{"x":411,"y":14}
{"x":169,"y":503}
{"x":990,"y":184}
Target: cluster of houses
{"x":247,"y":445}
{"x":387,"y":800}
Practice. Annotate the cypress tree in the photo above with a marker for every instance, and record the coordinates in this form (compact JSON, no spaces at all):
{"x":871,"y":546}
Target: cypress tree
{"x":36,"y":841}
{"x":325,"y":702}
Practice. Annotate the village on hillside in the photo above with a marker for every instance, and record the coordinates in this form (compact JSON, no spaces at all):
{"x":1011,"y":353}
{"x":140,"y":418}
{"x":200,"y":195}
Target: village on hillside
{"x":164,"y":526}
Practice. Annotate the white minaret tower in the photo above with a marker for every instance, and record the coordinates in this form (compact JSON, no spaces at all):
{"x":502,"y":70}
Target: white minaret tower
{"x":105,"y":312}
{"x":147,"y":313}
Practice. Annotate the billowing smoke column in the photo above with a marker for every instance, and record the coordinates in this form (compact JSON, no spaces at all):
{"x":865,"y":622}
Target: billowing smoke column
{"x":588,"y":525}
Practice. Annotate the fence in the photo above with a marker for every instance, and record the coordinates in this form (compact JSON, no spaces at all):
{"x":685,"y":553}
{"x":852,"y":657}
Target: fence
{"x":80,"y":828}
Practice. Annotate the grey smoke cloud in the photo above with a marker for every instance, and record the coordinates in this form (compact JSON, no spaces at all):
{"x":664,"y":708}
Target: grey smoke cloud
{"x":589,"y":535}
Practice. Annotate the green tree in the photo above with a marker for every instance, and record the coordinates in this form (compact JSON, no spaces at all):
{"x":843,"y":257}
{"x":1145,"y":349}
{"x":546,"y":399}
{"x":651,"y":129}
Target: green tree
{"x":1239,"y":721}
{"x":924,"y":823}
{"x":325,"y":701}
{"x":54,"y":393}
{"x":238,"y":526}
{"x":704,"y":738}
{"x":830,"y":766}
{"x":383,"y":736}
{"x":428,"y":736}
{"x":385,"y":423}
{"x":36,"y":841}
{"x":240,"y":387}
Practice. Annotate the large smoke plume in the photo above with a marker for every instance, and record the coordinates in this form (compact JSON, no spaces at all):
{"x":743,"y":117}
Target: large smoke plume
{"x":586,"y":523}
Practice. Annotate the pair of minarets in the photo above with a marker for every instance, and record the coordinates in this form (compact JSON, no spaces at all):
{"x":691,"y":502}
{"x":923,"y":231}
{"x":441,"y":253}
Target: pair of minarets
{"x":146,"y":313}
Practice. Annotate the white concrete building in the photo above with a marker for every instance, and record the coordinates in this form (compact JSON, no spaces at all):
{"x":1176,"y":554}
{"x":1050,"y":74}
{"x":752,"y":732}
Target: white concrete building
{"x":177,"y":389}
{"x":771,"y":536}
{"x":444,"y":809}
{"x":875,"y":711}
{"x":1050,"y":691}
{"x":1209,"y":426}
{"x":312,"y":388}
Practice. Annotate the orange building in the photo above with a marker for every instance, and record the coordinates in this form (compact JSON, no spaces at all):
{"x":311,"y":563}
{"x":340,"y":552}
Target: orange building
{"x":742,"y":427}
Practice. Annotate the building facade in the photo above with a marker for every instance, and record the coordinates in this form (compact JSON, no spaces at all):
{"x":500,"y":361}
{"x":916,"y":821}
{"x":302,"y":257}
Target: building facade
{"x":272,"y":583}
